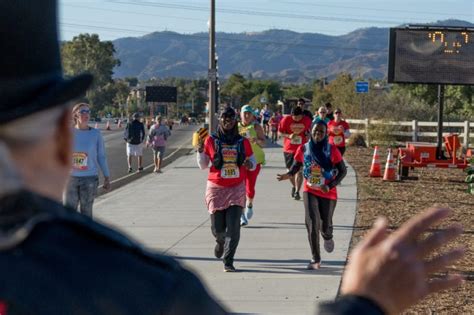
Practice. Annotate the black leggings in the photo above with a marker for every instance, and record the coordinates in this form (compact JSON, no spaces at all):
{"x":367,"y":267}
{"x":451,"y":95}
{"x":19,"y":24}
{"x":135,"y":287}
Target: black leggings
{"x":342,"y":150}
{"x":318,"y":218}
{"x":225,"y":226}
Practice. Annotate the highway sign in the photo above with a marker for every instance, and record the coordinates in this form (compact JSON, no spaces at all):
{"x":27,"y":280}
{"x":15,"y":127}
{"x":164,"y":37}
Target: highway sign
{"x":362,"y":87}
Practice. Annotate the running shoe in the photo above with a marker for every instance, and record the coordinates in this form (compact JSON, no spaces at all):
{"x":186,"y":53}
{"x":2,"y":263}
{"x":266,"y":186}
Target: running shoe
{"x":297,"y":196}
{"x":243,"y":220}
{"x":130,"y":170}
{"x":219,"y":250}
{"x":329,"y":245}
{"x":313,"y":265}
{"x":229,"y":268}
{"x":293,"y":191}
{"x":140,"y":169}
{"x":249,"y":212}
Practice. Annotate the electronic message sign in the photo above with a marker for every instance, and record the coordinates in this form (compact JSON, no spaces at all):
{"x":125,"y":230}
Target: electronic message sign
{"x":431,"y":55}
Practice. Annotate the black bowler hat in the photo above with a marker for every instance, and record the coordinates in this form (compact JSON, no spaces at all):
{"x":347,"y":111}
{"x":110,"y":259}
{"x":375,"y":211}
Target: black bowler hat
{"x":31,"y":77}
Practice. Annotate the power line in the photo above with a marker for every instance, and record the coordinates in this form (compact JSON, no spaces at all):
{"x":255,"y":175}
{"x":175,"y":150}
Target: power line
{"x":256,"y":13}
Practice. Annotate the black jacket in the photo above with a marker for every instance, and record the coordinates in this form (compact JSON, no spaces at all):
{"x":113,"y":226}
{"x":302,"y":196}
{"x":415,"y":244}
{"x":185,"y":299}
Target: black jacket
{"x":134,"y":132}
{"x":56,"y":261}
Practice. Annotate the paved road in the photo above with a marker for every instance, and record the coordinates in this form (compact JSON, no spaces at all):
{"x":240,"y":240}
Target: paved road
{"x":178,"y":144}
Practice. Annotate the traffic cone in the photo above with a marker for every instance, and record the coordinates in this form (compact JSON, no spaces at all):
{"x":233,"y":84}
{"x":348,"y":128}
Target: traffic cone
{"x":119,"y":124}
{"x":390,"y":169}
{"x":96,"y":126}
{"x":107,"y":127}
{"x":375,"y":167}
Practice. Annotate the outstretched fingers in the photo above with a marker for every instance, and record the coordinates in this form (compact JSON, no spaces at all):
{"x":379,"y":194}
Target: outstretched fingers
{"x":377,"y":233}
{"x":438,"y":239}
{"x":446,"y":259}
{"x":444,"y":283}
{"x":420,"y":223}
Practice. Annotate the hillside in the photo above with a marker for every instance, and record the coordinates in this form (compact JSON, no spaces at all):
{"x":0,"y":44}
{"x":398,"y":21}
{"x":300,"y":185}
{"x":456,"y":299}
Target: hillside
{"x":279,"y":54}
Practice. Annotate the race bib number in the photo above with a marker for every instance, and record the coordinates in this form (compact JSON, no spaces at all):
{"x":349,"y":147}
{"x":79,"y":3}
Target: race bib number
{"x":230,"y":171}
{"x":338,"y":140}
{"x":79,"y":161}
{"x":315,"y":180}
{"x":296,"y":140}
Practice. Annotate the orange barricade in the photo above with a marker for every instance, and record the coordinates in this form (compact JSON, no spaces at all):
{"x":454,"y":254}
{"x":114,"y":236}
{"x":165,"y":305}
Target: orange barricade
{"x":375,"y":167}
{"x":107,"y":127}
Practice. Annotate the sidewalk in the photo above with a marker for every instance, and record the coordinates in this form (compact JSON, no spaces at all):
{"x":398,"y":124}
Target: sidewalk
{"x":167,"y":212}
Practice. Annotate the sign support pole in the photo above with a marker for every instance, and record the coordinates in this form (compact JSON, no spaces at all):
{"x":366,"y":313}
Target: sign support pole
{"x":212,"y":68}
{"x":439,"y":149}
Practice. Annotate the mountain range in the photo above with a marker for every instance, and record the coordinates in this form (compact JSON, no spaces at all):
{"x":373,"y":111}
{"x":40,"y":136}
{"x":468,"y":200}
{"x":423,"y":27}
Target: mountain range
{"x":284,"y":55}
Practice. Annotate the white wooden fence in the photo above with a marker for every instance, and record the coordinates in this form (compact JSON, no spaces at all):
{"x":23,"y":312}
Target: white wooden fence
{"x":414,"y":129}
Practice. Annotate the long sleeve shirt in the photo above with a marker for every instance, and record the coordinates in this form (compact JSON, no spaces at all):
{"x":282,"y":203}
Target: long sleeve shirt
{"x":89,"y":154}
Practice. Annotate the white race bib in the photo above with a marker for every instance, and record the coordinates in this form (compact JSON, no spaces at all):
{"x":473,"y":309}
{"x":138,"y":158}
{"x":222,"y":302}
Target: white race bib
{"x":338,"y":140}
{"x":296,"y":140}
{"x":79,"y":161}
{"x":229,"y":171}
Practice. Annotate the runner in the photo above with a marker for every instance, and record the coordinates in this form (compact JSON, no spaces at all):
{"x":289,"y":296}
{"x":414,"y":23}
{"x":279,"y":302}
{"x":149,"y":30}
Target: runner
{"x":323,"y":169}
{"x":274,"y":121}
{"x":265,"y":114}
{"x":338,"y":131}
{"x":321,"y":115}
{"x":294,"y":129}
{"x":249,"y":129}
{"x":88,"y":157}
{"x":157,"y":137}
{"x":230,"y":156}
{"x":134,"y":135}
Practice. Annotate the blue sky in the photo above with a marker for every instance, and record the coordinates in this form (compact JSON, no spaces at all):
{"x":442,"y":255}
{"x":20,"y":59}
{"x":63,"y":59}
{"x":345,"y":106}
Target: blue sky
{"x":113,"y":19}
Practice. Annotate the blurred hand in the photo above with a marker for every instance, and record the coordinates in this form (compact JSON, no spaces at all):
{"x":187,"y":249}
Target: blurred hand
{"x":392,"y":269}
{"x":200,"y":145}
{"x":281,"y":177}
{"x":106,"y":184}
{"x":324,"y":188}
{"x":248,"y":164}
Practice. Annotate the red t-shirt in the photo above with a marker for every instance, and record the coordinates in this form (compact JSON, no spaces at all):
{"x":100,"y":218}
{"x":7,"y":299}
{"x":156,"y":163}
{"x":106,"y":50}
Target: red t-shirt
{"x":336,"y":133}
{"x":317,"y":176}
{"x":288,"y":125}
{"x":230,"y":174}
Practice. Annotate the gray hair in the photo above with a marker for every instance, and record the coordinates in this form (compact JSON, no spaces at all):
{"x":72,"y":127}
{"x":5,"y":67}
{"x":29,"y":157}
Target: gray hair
{"x":24,"y":133}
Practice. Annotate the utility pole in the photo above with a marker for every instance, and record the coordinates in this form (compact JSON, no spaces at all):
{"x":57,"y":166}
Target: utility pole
{"x":212,"y":73}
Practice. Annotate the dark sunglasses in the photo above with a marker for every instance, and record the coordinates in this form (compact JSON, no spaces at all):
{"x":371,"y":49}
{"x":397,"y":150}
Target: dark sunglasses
{"x":337,"y":112}
{"x":84,"y":111}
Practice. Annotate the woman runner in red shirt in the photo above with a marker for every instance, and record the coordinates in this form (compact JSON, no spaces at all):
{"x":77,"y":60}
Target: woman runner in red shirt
{"x":229,"y":156}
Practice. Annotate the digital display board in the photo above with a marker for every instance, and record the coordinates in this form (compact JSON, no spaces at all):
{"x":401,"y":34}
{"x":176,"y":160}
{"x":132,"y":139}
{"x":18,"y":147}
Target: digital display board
{"x":431,"y":55}
{"x":167,"y":94}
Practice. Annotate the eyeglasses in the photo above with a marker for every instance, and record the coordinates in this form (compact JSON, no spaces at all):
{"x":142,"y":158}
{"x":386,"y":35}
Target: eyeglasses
{"x":323,"y":112}
{"x":337,"y":112}
{"x":84,"y":111}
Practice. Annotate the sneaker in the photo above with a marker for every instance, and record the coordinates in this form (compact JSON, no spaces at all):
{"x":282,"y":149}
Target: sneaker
{"x":229,"y":268}
{"x":329,"y":245}
{"x":297,"y":196}
{"x":130,"y":170}
{"x":243,"y":220}
{"x":140,"y":169}
{"x":155,"y":170}
{"x":313,"y":265}
{"x":293,"y":191}
{"x":219,"y":250}
{"x":249,"y":212}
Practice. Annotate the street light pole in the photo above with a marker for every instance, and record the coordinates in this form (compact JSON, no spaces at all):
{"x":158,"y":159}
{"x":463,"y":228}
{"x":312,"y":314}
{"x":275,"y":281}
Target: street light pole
{"x":212,"y":73}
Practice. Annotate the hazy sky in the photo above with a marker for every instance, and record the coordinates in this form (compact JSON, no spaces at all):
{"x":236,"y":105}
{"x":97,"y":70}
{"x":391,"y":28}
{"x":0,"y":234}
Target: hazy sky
{"x":113,"y":19}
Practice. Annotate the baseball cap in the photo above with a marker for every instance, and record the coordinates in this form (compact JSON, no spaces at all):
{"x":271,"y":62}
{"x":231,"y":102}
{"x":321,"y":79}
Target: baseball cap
{"x":246,"y":109}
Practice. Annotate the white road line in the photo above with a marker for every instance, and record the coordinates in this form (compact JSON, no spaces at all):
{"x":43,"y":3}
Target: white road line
{"x":149,"y":166}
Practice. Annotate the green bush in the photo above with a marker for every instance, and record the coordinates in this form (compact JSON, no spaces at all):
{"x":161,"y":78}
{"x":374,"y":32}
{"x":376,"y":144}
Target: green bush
{"x":382,"y":134}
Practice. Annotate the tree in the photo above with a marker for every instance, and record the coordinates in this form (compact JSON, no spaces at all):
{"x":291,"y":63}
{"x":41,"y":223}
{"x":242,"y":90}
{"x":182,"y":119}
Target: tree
{"x":86,"y":53}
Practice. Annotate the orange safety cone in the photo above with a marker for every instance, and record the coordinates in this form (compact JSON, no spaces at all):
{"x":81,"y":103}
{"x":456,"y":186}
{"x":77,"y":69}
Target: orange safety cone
{"x":390,"y":169}
{"x":119,"y":124}
{"x":107,"y":127}
{"x":375,"y":167}
{"x":96,"y":126}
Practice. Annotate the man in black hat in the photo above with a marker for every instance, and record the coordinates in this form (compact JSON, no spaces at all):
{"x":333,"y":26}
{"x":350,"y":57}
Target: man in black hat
{"x":54,"y":260}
